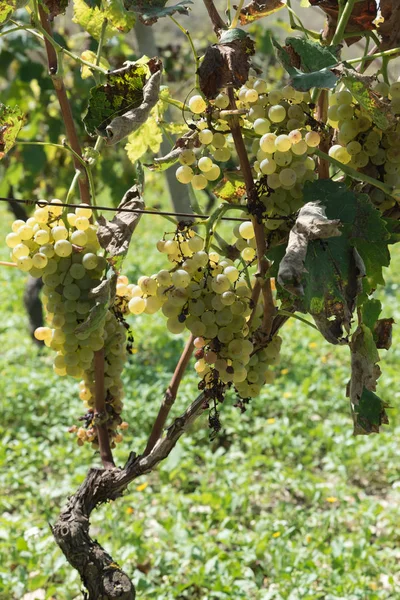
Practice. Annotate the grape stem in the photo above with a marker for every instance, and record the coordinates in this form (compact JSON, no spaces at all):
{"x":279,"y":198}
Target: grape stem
{"x":215,"y":218}
{"x":195,"y":56}
{"x":235,"y":19}
{"x":343,"y":21}
{"x":4,"y":263}
{"x":262,"y":262}
{"x":322,"y":115}
{"x":170,"y":396}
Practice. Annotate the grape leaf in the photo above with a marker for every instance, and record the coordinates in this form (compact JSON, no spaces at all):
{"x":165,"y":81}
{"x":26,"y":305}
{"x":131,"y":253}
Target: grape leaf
{"x":257,"y":9}
{"x":55,"y":7}
{"x":103,"y":295}
{"x":11,"y":121}
{"x":152,"y":10}
{"x":362,"y":17}
{"x":389,"y":29}
{"x":330,"y":284}
{"x":231,"y":188}
{"x":369,"y":414}
{"x":362,"y":225}
{"x":147,"y":137}
{"x":188,"y":140}
{"x":370,"y":311}
{"x":225,"y":64}
{"x":323,"y":78}
{"x":360,"y":87}
{"x":92,"y":19}
{"x":115,"y":236}
{"x":7,"y":7}
{"x":124,"y":102}
{"x":311,"y":224}
{"x":383,"y":333}
{"x":90,"y":56}
{"x":310,"y":55}
{"x":364,"y":368}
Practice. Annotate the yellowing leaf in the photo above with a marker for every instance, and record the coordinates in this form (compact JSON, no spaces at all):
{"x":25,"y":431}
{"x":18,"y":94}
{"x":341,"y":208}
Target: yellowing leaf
{"x":92,"y":19}
{"x":90,"y":56}
{"x":142,"y":486}
{"x":147,"y":137}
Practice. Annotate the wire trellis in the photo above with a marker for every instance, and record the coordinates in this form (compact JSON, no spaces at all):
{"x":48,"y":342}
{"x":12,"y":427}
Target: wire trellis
{"x":144,"y":211}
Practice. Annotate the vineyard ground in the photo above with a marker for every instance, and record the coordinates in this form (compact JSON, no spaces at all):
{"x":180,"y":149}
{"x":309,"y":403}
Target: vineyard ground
{"x":284,"y":504}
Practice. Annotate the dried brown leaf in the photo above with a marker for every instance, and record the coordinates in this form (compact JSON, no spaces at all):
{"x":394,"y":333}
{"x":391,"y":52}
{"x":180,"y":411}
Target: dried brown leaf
{"x":224,"y":65}
{"x":362,"y":18}
{"x":389,"y":30}
{"x":115,"y":236}
{"x":257,"y":9}
{"x":311,"y":224}
{"x":383,"y":333}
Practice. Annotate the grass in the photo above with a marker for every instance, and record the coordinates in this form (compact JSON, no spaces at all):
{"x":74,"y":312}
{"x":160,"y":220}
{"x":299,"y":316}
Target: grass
{"x":284,"y":504}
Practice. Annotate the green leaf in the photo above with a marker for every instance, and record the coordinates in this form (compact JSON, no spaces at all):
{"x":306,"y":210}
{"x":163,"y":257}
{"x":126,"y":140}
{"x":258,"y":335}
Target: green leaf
{"x":151,"y":10}
{"x":369,"y":414}
{"x":371,"y":238}
{"x":362,"y":225}
{"x":7,"y":7}
{"x":11,"y":121}
{"x":92,"y":19}
{"x":122,"y":92}
{"x":360,"y":88}
{"x":311,"y":55}
{"x":322,"y":78}
{"x":231,"y":188}
{"x":147,"y":137}
{"x":370,"y":311}
{"x":231,"y":35}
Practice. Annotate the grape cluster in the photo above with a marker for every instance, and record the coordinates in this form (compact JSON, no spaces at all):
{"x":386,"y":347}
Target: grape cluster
{"x":208,"y":295}
{"x":364,"y":146}
{"x":285,"y":143}
{"x":64,"y":250}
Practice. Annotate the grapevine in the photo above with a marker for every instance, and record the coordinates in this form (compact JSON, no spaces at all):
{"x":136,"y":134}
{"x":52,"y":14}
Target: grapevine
{"x":307,"y":172}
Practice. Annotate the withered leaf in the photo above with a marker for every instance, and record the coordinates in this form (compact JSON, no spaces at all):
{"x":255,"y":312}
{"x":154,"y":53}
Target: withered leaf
{"x":188,"y":140}
{"x":115,"y":236}
{"x":389,"y":30}
{"x":55,"y":7}
{"x":311,"y":224}
{"x":225,"y":64}
{"x":364,"y":368}
{"x":257,"y":9}
{"x":124,"y":125}
{"x":362,"y":17}
{"x":383,"y":333}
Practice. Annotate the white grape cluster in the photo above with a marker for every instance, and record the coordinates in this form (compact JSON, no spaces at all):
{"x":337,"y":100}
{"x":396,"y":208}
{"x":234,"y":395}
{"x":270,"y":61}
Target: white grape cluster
{"x":207,"y":295}
{"x":284,"y":147}
{"x":361,"y":144}
{"x":63,"y":249}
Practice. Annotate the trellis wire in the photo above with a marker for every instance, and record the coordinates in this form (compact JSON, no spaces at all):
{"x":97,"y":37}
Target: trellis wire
{"x":143,"y":211}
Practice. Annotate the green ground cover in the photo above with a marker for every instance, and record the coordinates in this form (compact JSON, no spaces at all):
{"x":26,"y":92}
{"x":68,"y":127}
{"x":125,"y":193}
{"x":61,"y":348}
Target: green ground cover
{"x":284,"y":504}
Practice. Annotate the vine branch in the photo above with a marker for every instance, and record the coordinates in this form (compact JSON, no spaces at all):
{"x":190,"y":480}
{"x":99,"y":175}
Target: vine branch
{"x":262,"y":262}
{"x":58,"y":82}
{"x":102,"y":577}
{"x":216,"y":19}
{"x":170,"y":396}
